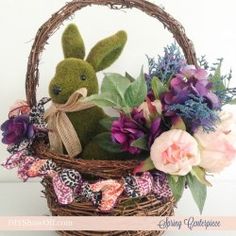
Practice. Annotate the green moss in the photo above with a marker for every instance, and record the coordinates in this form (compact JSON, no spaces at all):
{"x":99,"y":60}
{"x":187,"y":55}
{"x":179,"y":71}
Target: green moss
{"x":72,"y":74}
{"x":72,"y":43}
{"x":92,"y":151}
{"x":86,"y":123}
{"x":105,"y":52}
{"x":87,"y":126}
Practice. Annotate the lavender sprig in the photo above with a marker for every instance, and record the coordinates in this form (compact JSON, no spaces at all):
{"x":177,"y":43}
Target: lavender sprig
{"x":167,"y":65}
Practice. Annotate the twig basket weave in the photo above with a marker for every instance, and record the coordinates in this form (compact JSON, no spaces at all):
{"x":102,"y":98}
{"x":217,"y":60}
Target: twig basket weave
{"x":146,"y":206}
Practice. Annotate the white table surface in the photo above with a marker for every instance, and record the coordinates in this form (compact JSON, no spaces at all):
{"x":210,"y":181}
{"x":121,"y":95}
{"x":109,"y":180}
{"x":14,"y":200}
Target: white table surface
{"x":26,"y":199}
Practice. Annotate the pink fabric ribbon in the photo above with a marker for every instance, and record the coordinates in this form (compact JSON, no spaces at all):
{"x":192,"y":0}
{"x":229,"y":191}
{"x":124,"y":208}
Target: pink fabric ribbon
{"x":66,"y":182}
{"x":35,"y":168}
{"x":65,"y":194}
{"x":22,"y":161}
{"x":111,"y":190}
{"x":14,"y":160}
{"x":145,"y":183}
{"x":24,"y":166}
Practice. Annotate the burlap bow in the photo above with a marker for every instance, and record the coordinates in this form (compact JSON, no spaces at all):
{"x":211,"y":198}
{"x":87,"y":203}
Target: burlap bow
{"x":61,"y":129}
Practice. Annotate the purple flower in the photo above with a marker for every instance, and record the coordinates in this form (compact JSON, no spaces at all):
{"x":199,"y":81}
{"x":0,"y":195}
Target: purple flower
{"x":16,"y":129}
{"x":190,"y":81}
{"x":191,"y":71}
{"x":155,"y":130}
{"x":127,"y":129}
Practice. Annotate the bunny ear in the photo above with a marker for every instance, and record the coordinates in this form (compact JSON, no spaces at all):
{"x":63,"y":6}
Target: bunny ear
{"x":72,"y":42}
{"x":105,"y":52}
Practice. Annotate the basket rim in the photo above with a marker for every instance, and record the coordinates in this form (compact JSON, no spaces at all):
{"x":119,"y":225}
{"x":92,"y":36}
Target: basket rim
{"x":105,"y":169}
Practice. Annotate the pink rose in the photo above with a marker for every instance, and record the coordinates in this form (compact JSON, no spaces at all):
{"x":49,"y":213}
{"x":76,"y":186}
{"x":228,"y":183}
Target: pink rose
{"x":175,"y":152}
{"x":218,"y":148}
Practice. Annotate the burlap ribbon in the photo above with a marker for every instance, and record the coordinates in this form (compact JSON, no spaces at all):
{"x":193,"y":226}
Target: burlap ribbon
{"x":61,"y":129}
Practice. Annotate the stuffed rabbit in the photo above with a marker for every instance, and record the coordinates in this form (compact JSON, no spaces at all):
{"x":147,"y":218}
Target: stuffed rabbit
{"x":75,"y":72}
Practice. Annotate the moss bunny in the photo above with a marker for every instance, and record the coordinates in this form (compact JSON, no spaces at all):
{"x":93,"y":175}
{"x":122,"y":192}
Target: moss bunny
{"x":74,"y":72}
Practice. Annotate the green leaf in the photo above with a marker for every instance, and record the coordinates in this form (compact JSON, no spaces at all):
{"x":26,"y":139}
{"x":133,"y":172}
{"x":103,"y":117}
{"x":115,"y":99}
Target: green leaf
{"x":158,"y":87}
{"x":175,"y":178}
{"x":200,"y":174}
{"x":198,"y":190}
{"x":114,"y":83}
{"x":130,"y":77}
{"x":140,"y":143}
{"x":105,"y":100}
{"x":233,"y":102}
{"x":177,"y":187}
{"x":136,"y":92}
{"x":144,"y":166}
{"x":107,"y":122}
{"x":178,"y":124}
{"x":126,"y":110}
{"x":216,"y":79}
{"x":105,"y":142}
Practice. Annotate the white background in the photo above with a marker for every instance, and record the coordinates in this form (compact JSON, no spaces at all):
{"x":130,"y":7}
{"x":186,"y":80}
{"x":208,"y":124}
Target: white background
{"x":210,"y":24}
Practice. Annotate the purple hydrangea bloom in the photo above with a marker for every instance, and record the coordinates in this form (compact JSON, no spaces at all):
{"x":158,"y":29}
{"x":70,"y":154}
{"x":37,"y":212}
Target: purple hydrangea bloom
{"x":127,"y":129}
{"x":16,"y":129}
{"x":190,"y":81}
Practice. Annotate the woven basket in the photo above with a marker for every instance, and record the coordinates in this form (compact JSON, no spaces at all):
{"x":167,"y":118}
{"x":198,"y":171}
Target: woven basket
{"x":146,"y":206}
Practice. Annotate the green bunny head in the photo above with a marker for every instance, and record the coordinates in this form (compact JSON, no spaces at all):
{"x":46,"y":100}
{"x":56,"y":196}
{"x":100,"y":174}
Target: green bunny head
{"x":74,"y":71}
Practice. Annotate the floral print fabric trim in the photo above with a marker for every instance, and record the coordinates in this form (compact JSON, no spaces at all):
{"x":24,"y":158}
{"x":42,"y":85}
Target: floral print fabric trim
{"x":67,"y":183}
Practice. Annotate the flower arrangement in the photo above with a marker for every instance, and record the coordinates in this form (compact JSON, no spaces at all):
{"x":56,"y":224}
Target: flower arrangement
{"x":173,"y":118}
{"x":170,"y":119}
{"x":169,"y":132}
